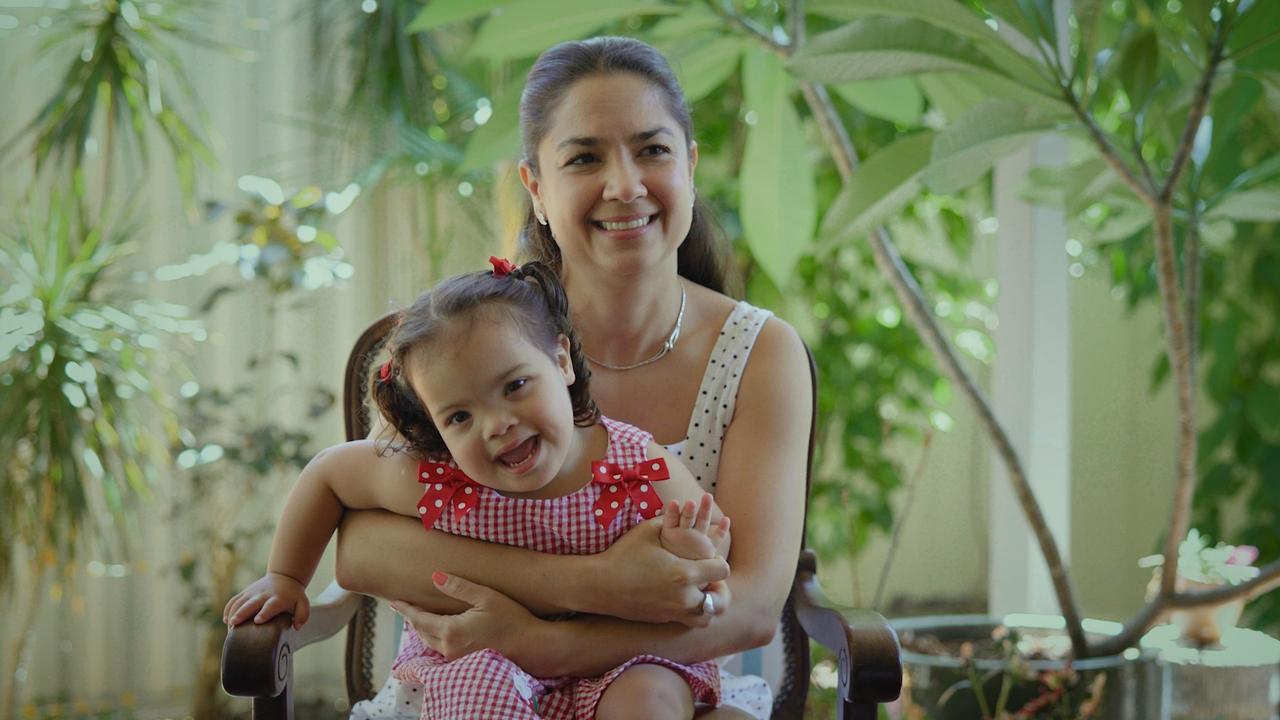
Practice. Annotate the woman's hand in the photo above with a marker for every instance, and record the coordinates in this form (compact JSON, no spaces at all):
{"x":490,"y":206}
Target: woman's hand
{"x":637,"y":579}
{"x":493,"y":621}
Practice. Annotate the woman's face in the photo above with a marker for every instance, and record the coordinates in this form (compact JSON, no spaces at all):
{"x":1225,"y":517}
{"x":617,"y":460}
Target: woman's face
{"x":615,"y":177}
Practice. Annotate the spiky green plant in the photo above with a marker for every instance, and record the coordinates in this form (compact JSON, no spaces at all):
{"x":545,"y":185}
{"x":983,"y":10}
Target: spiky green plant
{"x":86,"y":420}
{"x":124,"y":80}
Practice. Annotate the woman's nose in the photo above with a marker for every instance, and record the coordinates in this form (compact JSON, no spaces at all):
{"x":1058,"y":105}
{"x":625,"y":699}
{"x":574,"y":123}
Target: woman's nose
{"x":624,"y":182}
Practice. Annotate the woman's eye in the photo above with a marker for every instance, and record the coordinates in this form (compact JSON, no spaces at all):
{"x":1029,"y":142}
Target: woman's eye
{"x":516,"y":384}
{"x":582,"y":159}
{"x":458,"y":417}
{"x":655,"y":150}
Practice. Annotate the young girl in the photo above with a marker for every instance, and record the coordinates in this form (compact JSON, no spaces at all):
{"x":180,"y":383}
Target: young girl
{"x":488,"y":387}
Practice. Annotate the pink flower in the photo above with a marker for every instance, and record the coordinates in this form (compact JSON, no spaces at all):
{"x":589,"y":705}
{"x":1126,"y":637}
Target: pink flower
{"x":1243,"y":555}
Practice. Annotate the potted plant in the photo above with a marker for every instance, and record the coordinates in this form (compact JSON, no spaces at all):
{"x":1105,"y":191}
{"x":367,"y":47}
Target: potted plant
{"x":1202,"y":568}
{"x":83,"y":359}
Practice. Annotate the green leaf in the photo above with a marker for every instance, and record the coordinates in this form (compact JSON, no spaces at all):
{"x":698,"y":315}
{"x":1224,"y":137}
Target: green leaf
{"x":778,"y":200}
{"x":883,"y":184}
{"x":1039,"y":14}
{"x":1262,"y":407}
{"x":1088,"y":13}
{"x":950,"y":93}
{"x":528,"y":27}
{"x":897,"y":100}
{"x":438,"y":13}
{"x":496,"y":140}
{"x":965,"y":151}
{"x":694,"y":20}
{"x":1010,"y":12}
{"x":952,"y":16}
{"x":703,"y":65}
{"x":878,"y":47}
{"x":1137,"y":69}
{"x":1256,"y":205}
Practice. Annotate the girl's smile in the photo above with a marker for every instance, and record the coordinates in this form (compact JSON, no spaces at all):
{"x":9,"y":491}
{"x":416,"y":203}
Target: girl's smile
{"x":502,"y":405}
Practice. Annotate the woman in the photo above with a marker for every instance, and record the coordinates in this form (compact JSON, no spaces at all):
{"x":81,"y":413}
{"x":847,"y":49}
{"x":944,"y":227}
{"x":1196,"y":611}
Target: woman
{"x":609,"y":162}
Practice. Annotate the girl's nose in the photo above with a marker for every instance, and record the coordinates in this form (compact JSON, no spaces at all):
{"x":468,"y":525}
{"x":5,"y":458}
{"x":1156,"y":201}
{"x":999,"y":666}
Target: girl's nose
{"x":499,"y":423}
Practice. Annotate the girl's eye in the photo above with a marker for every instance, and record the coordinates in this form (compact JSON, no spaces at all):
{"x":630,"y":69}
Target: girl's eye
{"x":458,"y":417}
{"x":655,"y":150}
{"x":516,"y":384}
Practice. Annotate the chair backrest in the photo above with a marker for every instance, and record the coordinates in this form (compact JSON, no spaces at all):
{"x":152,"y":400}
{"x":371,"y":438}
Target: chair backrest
{"x":789,"y":697}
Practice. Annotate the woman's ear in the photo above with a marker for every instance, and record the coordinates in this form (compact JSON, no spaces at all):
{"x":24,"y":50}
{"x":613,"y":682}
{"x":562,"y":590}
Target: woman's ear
{"x":564,"y":361}
{"x":529,"y":178}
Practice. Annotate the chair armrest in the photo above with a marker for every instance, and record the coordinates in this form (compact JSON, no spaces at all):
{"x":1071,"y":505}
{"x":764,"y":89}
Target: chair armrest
{"x":870,"y":664}
{"x":256,"y":659}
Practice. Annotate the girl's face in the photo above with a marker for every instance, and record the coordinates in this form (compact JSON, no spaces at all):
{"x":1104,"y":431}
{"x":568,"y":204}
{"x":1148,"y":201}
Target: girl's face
{"x":500,"y":402}
{"x":615,"y":177}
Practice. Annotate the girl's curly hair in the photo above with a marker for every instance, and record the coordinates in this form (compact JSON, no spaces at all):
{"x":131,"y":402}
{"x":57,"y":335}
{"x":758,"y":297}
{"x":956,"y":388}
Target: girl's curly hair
{"x":533,"y":299}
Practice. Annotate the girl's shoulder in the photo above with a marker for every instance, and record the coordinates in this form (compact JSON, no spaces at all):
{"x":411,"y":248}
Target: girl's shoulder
{"x":366,"y":457}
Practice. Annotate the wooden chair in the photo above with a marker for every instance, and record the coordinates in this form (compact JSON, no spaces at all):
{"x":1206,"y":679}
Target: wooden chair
{"x":257,"y":660}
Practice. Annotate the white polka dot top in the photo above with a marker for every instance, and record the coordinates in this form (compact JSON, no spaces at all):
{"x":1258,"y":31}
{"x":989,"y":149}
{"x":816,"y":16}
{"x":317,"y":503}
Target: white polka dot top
{"x":713,"y":410}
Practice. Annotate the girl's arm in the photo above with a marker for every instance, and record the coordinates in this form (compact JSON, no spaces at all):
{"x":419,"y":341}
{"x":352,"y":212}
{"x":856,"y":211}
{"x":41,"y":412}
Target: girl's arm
{"x":351,"y":475}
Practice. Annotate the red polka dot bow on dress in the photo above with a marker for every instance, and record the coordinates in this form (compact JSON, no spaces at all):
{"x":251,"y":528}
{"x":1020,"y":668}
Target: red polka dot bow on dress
{"x":635,"y":482}
{"x":447,"y":486}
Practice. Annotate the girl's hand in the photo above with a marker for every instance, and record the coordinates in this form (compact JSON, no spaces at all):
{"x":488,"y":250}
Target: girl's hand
{"x":636,"y":579}
{"x":493,"y":621}
{"x":687,"y":531}
{"x":268,"y":596}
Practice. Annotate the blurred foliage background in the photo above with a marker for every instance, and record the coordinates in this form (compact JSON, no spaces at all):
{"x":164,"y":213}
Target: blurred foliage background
{"x":415,"y":102}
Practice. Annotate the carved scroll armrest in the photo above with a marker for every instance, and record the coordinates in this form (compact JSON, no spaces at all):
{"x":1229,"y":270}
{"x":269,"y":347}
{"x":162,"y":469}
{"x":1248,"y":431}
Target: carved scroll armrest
{"x":257,"y":659}
{"x":870,"y":664}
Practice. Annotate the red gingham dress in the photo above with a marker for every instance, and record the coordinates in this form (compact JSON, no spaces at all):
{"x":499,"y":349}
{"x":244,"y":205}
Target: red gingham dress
{"x":485,"y":684}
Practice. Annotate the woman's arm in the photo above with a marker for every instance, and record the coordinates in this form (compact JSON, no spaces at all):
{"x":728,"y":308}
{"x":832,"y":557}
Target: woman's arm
{"x":760,"y":486}
{"x":763,"y":492}
{"x":391,"y":557}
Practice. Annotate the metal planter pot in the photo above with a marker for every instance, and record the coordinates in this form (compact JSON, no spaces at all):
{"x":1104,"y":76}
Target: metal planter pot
{"x":1131,"y":690}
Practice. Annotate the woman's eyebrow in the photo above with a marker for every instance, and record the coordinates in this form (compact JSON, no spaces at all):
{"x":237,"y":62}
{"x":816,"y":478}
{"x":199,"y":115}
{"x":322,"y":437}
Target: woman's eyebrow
{"x":637,"y":137}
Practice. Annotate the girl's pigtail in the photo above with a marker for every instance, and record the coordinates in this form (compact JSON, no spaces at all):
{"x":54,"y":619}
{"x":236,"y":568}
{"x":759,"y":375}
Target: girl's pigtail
{"x":401,"y":407}
{"x":585,"y":411}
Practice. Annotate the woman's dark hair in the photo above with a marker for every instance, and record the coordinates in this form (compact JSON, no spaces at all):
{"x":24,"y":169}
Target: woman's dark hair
{"x":703,"y":256}
{"x":532,"y":298}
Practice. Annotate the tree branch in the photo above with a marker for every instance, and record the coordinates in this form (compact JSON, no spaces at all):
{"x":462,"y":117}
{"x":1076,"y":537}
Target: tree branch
{"x":1178,"y":320}
{"x":917,"y":309}
{"x":1108,"y":151}
{"x":1268,"y":579}
{"x":1198,"y":106}
{"x":749,"y":28}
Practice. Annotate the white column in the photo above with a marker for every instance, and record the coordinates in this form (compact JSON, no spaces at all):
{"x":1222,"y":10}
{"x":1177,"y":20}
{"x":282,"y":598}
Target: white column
{"x":1031,"y":383}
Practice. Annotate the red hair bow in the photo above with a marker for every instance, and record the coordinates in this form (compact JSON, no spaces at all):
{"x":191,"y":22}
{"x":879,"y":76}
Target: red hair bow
{"x":446,"y":486}
{"x":635,"y":482}
{"x":502,"y":267}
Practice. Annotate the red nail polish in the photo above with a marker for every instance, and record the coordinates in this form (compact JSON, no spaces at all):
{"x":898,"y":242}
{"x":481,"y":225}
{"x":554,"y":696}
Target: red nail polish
{"x":439,"y":578}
